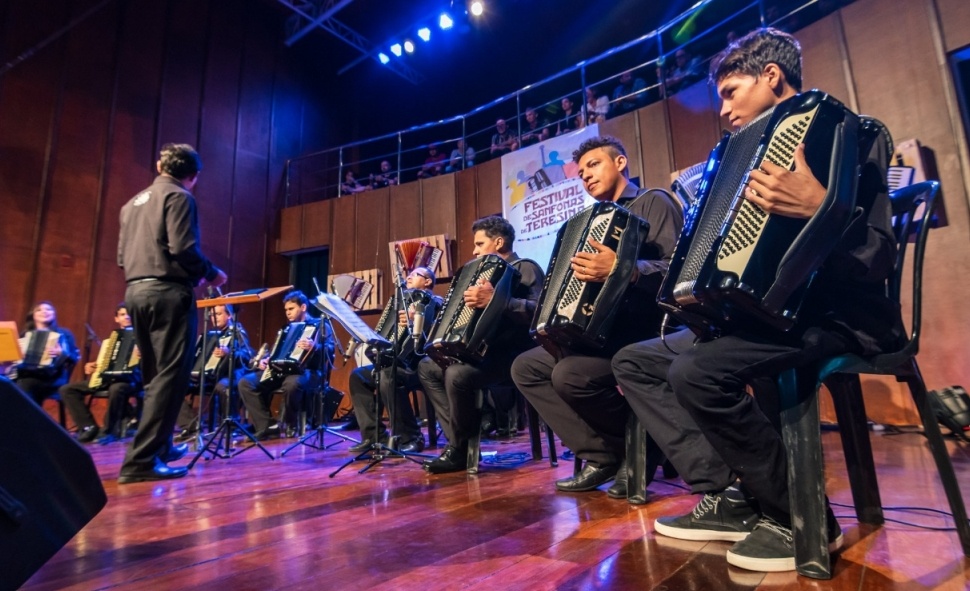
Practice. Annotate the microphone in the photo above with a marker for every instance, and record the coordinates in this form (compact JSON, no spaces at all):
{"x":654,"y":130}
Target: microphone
{"x":351,"y":349}
{"x":417,"y":331}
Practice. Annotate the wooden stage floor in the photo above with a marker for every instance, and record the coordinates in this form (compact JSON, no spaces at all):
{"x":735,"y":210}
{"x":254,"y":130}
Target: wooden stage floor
{"x":254,"y":523}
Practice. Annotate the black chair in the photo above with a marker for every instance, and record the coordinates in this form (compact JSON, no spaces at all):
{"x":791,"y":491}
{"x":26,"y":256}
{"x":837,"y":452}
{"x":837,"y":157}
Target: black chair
{"x":800,"y":417}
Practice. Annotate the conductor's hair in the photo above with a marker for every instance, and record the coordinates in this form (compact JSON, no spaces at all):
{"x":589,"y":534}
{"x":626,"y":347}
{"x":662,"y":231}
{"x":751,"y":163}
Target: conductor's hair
{"x":180,"y":161}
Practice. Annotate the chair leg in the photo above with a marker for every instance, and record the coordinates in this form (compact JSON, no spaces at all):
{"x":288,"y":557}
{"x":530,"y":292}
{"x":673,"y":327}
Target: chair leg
{"x":853,"y":427}
{"x":800,"y":426}
{"x":432,"y":422}
{"x":475,"y":441}
{"x":535,"y":438}
{"x":942,"y":457}
{"x":643,"y":457}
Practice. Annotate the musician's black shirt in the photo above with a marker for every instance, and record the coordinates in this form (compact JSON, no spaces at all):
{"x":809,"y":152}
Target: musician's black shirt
{"x":514,"y":332}
{"x":160,"y":236}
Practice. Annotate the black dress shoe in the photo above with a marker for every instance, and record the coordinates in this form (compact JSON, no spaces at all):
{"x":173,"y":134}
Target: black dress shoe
{"x":591,"y":477}
{"x":174,"y":453}
{"x":88,"y":434}
{"x":621,"y":484}
{"x":413,"y":446}
{"x":159,"y":472}
{"x":453,"y":459}
{"x":271,"y":432}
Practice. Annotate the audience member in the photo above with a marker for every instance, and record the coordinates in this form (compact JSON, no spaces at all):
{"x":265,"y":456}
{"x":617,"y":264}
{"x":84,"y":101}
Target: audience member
{"x":350,"y":184}
{"x":503,"y":141}
{"x":535,"y":130}
{"x":597,"y":106}
{"x":385,"y":177}
{"x":455,"y":161}
{"x":571,"y":119}
{"x":686,"y":71}
{"x":629,"y":94}
{"x":434,"y":164}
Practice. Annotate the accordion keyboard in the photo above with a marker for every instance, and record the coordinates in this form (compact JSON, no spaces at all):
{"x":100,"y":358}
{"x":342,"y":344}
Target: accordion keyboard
{"x":574,"y":287}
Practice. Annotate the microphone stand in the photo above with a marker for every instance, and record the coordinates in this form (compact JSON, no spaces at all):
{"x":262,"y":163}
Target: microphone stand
{"x":378,"y":452}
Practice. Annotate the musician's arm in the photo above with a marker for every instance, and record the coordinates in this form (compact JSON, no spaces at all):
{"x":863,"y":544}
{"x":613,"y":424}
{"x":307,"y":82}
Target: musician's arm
{"x":181,"y":225}
{"x":521,"y":309}
{"x":666,"y":221}
{"x":244,"y":352}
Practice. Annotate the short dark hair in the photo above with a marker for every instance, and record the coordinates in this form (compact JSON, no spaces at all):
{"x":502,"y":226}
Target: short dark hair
{"x":180,"y":161}
{"x":495,"y":225}
{"x":750,"y":54}
{"x":296,"y":296}
{"x":121,"y":306}
{"x":428,"y":271}
{"x":612,"y":146}
{"x":30,"y":315}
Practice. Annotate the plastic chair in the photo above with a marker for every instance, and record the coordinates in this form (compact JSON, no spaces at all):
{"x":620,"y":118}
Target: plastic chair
{"x":800,"y":417}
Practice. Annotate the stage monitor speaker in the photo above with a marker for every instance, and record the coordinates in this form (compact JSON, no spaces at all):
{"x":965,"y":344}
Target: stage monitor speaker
{"x":49,"y":487}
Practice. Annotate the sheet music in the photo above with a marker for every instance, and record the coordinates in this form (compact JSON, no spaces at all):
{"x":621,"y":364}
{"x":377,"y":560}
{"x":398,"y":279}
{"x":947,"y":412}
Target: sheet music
{"x":340,"y":311}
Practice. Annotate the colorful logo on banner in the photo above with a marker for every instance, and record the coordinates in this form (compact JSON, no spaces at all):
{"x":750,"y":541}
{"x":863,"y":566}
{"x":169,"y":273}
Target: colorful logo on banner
{"x":541,"y":190}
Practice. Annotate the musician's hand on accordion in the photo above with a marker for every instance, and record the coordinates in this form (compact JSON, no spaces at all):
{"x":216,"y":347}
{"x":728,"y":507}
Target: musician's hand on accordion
{"x":594,"y":267}
{"x":305,"y":344}
{"x":795,"y":194}
{"x":90,"y":367}
{"x":479,"y":295}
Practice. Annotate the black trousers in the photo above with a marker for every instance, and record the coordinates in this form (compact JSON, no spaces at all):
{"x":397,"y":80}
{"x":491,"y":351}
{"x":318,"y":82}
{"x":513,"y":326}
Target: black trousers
{"x":577,"y":397}
{"x":39,"y":389}
{"x":362,"y":387}
{"x":164,"y":319}
{"x":693,"y":402}
{"x":452,"y":392}
{"x":188,"y":419}
{"x":75,"y":393}
{"x":256,"y":396}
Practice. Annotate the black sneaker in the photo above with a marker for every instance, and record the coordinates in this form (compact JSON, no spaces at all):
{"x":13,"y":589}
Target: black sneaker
{"x":725,"y":516}
{"x":770,"y":546}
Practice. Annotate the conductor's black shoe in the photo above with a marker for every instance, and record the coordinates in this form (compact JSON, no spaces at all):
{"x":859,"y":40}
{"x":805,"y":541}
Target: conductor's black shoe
{"x":88,"y":434}
{"x":589,"y":478}
{"x":621,"y":484}
{"x":413,"y":446}
{"x":174,"y":453}
{"x":159,"y":472}
{"x":453,"y":459}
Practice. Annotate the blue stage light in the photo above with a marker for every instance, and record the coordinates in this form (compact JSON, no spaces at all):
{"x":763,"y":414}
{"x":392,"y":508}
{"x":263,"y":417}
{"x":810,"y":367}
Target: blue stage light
{"x":408,"y":46}
{"x":383,"y":57}
{"x":444,"y":21}
{"x":396,"y":49}
{"x":425,"y":34}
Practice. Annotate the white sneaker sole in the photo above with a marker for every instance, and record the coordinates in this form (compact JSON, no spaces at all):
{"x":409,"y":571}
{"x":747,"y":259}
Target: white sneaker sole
{"x":698,"y":535}
{"x":774,"y":565}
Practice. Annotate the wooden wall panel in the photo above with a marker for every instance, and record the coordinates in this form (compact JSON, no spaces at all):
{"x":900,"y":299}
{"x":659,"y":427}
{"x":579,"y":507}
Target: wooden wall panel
{"x":466,"y":212}
{"x":624,"y":128}
{"x":316,"y":224}
{"x":955,"y":18}
{"x":438,"y":212}
{"x":405,"y":211}
{"x":183,"y":73}
{"x":824,"y":64}
{"x":343,"y":247}
{"x":373,"y":234}
{"x":694,"y":124}
{"x":655,"y":149}
{"x":290,"y":237}
{"x":490,"y":183}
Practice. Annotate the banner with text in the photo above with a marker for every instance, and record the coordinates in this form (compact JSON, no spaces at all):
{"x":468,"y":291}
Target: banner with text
{"x":541,"y":190}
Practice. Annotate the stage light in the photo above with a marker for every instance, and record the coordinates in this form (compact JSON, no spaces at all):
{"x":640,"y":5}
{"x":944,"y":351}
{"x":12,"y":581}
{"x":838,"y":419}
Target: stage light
{"x":383,"y":57}
{"x":444,"y":21}
{"x":408,"y":46}
{"x":396,"y":49}
{"x":425,"y":34}
{"x":477,"y":8}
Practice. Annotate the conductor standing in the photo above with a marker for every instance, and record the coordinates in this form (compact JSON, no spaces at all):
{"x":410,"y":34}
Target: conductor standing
{"x":158,"y":248}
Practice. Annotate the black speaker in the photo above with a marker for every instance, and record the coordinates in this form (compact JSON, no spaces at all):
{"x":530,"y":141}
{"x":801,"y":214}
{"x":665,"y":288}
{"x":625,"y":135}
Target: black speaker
{"x":49,"y":487}
{"x":952,"y":408}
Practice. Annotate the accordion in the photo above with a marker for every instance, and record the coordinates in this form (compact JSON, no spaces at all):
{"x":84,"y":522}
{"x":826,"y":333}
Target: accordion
{"x":734,"y":263}
{"x":286,"y":358}
{"x":205,"y":360}
{"x":417,"y":253}
{"x":117,"y":360}
{"x":406,"y":353}
{"x":37,"y":362}
{"x":352,"y":289}
{"x":462,"y":333}
{"x":576,"y":314}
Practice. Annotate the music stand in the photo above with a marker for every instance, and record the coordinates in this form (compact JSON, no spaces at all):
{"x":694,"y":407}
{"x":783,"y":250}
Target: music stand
{"x":220,"y":441}
{"x":9,"y":342}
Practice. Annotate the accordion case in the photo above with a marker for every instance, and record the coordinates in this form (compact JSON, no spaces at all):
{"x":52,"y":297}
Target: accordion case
{"x":575,"y":314}
{"x":736,"y":264}
{"x":461,"y":333}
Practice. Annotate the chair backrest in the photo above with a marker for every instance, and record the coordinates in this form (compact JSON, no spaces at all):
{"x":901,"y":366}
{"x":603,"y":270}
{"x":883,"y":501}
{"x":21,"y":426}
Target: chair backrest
{"x":913,"y":208}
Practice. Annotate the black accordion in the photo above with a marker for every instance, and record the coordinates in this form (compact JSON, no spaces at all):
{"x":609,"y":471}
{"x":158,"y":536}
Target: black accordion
{"x":117,"y":360}
{"x":286,"y":358}
{"x":735,"y":264}
{"x":37,"y":362}
{"x":406,"y":353}
{"x":205,"y":360}
{"x":461,"y":333}
{"x":575,"y":314}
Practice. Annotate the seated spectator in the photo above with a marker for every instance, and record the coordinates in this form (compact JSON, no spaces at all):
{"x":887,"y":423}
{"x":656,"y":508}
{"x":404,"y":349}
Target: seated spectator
{"x":455,"y":160}
{"x":434,"y":164}
{"x":535,"y":130}
{"x":351,"y":185}
{"x":385,"y":177}
{"x":686,"y":71}
{"x":503,"y":141}
{"x":596,"y":106}
{"x":629,"y":94}
{"x":571,"y":119}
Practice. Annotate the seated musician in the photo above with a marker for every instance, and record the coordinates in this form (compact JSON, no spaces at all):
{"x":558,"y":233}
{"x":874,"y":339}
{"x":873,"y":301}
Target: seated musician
{"x":362,"y":385}
{"x":577,"y":395}
{"x":42,"y":379}
{"x":118,"y":392}
{"x":256,"y":393}
{"x":690,"y":392}
{"x":218,"y":381}
{"x":452,"y":391}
